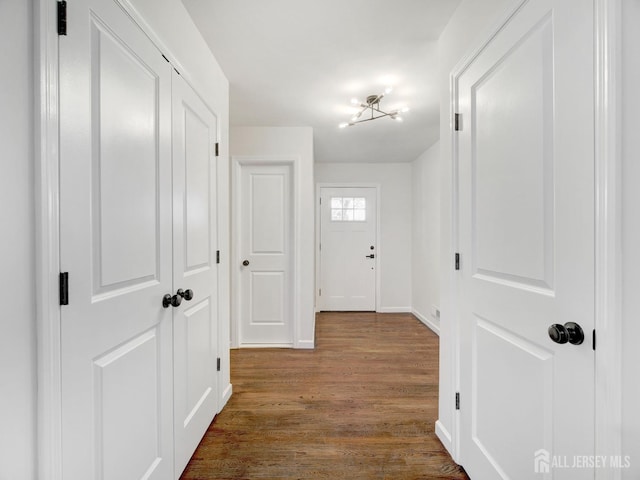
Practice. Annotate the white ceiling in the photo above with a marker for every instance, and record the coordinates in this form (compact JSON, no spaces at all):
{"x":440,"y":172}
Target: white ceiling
{"x":299,"y":63}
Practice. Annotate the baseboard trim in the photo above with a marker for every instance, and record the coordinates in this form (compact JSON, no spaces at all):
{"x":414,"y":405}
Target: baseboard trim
{"x":306,"y":344}
{"x":394,"y":310}
{"x":427,"y":321}
{"x":226,"y":395}
{"x":445,"y":437}
{"x":265,"y":345}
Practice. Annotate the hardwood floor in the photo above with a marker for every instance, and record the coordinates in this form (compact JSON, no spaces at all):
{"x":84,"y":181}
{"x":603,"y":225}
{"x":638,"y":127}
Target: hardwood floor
{"x":362,"y":405}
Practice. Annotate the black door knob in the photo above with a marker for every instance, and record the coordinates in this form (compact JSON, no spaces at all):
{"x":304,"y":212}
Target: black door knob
{"x":576,"y":335}
{"x":570,"y":332}
{"x":245,"y":263}
{"x":174,"y":300}
{"x":166,"y":300}
{"x":186,"y":294}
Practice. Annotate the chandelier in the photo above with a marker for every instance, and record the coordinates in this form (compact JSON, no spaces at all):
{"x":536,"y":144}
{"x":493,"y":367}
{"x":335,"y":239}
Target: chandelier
{"x":371,"y":106}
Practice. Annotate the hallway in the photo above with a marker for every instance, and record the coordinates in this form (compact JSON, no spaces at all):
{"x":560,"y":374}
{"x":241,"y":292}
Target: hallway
{"x":362,"y":405}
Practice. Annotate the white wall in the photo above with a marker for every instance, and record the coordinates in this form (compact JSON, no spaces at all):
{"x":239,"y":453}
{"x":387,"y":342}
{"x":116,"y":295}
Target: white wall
{"x":471,"y":19}
{"x":425,"y":264}
{"x":291,"y":141}
{"x":394,"y":246}
{"x":17,"y":279}
{"x":630,"y":236}
{"x":181,"y":42}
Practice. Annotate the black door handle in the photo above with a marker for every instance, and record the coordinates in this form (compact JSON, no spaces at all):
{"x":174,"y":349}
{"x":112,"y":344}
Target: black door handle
{"x":370,"y":256}
{"x":570,"y":332}
{"x":174,"y":300}
{"x":186,"y":294}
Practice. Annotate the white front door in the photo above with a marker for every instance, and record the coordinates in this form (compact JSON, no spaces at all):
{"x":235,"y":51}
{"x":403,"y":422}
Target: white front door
{"x":195,"y":320}
{"x":115,"y":240}
{"x":348,"y":248}
{"x":266,"y":255}
{"x":526,"y":240}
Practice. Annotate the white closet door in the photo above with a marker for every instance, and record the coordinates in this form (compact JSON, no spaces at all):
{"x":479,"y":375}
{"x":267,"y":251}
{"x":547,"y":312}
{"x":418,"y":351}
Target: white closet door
{"x":526,"y":163}
{"x":266,"y":249}
{"x":195,"y":323}
{"x":115,"y":237}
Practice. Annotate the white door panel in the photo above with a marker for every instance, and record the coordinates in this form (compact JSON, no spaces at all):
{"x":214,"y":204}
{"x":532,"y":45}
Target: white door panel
{"x":115,"y":237}
{"x":526,"y":242}
{"x":348,"y":249}
{"x":265,"y":218}
{"x":194,"y":268}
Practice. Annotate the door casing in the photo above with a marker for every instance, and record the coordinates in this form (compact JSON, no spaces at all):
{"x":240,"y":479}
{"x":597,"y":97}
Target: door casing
{"x":608,"y":380}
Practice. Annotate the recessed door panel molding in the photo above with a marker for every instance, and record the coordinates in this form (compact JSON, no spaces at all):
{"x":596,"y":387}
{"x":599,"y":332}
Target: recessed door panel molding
{"x":268,"y":214}
{"x":125,"y":164}
{"x":126,"y":385}
{"x":265,"y":238}
{"x":197,"y":337}
{"x":198,"y":156}
{"x":525,"y":166}
{"x":498,"y":405}
{"x":521,"y":197}
{"x":267,"y":291}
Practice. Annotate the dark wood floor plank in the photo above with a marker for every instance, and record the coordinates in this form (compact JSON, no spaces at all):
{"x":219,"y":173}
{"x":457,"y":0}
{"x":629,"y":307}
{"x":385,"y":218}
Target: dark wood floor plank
{"x":362,"y":405}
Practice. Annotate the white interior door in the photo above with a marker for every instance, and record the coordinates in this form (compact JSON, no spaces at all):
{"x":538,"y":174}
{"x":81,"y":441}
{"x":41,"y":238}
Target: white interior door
{"x":266,"y":251}
{"x":526,"y":206}
{"x":115,"y":237}
{"x":195,"y":321}
{"x":348,"y":249}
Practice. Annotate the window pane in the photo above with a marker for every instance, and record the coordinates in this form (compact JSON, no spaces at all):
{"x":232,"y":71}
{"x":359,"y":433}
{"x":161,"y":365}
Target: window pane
{"x":359,"y":203}
{"x":347,"y":203}
{"x":360,"y":215}
{"x":347,"y":215}
{"x":336,"y":215}
{"x":336,"y":202}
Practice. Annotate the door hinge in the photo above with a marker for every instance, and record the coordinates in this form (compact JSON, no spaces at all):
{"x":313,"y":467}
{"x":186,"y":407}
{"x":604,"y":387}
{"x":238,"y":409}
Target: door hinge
{"x":64,"y":288}
{"x":457,"y":122}
{"x":457,"y":400}
{"x":320,"y":200}
{"x":218,"y":364}
{"x":217,"y":256}
{"x":457,"y":261}
{"x":217,"y":149}
{"x":320,"y":292}
{"x":62,"y":17}
{"x":593,"y":340}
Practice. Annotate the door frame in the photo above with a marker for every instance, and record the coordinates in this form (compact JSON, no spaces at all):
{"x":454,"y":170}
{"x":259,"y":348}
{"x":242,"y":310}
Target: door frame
{"x":607,"y":254}
{"x":319,"y":187}
{"x":46,"y":161}
{"x":237,"y":162}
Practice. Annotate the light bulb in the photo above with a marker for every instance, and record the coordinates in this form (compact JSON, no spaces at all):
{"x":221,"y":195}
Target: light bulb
{"x":355,"y":101}
{"x":398,"y":119}
{"x":405,"y":110}
{"x":388,"y":90}
{"x":343,"y":125}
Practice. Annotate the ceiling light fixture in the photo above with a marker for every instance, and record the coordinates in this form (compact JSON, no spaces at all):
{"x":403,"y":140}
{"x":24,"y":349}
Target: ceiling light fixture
{"x":372,"y":105}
